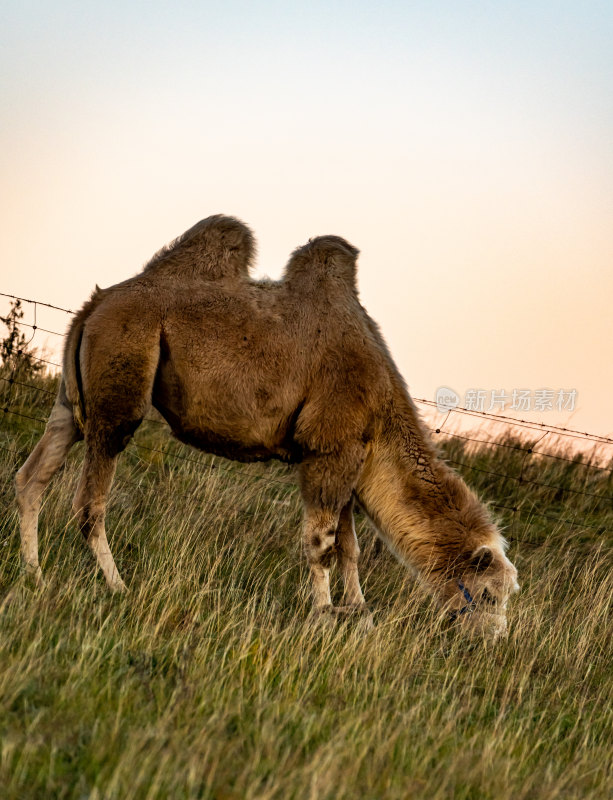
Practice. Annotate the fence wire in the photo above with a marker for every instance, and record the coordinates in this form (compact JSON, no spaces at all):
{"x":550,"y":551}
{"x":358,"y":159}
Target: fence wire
{"x":512,"y":423}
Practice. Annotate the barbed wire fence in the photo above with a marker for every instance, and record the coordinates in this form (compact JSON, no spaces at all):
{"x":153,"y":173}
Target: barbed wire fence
{"x":511,"y":503}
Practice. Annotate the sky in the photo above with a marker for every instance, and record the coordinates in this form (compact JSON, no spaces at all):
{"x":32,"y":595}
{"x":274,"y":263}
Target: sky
{"x":463,"y":147}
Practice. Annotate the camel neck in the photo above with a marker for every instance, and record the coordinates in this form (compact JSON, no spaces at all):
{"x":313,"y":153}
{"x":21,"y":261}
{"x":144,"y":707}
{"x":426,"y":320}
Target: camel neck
{"x":411,"y":495}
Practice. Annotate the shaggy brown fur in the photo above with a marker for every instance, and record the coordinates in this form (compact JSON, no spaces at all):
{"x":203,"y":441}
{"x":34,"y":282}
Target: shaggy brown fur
{"x":293,"y":370}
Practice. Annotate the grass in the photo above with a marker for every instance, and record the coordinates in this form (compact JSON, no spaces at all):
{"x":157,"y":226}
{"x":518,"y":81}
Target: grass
{"x":207,"y":681}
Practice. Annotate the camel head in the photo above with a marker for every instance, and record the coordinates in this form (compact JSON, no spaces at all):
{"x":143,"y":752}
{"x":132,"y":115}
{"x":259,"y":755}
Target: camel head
{"x":476,"y":596}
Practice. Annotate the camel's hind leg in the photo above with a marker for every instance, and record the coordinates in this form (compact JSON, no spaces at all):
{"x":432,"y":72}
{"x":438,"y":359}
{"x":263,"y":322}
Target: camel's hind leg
{"x":34,"y":476}
{"x":90,"y":508}
{"x":119,"y":358}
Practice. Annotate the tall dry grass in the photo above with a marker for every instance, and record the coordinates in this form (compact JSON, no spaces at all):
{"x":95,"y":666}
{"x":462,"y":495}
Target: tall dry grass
{"x":207,"y":679}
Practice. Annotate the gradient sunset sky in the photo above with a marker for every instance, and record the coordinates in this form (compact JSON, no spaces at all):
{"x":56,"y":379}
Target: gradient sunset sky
{"x":465,"y":147}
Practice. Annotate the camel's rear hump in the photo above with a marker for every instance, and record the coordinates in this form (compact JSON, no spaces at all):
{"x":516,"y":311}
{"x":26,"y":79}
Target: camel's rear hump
{"x":323,"y":259}
{"x":216,"y":247}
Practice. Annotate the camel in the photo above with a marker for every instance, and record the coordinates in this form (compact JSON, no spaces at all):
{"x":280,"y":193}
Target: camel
{"x":251,"y":370}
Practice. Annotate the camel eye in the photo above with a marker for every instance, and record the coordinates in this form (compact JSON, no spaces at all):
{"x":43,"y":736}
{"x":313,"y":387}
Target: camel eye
{"x":482,"y":559}
{"x":488,"y":598}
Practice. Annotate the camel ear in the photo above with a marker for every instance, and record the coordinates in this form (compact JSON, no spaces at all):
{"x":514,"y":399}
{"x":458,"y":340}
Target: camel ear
{"x":481,"y":559}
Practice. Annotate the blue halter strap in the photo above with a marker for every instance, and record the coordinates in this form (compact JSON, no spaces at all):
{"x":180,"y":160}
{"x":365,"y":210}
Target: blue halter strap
{"x":470,"y":603}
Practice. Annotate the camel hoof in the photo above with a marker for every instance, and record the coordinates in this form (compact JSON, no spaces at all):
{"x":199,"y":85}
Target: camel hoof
{"x":118,"y":587}
{"x":34,"y":576}
{"x":323,"y":616}
{"x":357,"y":612}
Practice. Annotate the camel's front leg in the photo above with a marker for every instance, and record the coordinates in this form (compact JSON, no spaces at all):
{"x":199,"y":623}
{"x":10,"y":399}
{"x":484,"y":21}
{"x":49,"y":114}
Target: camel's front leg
{"x":327,"y":481}
{"x":320,"y":545}
{"x":347,"y":552}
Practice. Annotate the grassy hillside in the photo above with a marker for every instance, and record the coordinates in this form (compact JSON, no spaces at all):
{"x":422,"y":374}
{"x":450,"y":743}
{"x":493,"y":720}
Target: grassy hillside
{"x":206,"y":680}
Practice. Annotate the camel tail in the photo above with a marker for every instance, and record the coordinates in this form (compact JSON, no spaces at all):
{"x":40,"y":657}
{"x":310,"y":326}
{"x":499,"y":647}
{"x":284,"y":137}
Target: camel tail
{"x":72,"y":383}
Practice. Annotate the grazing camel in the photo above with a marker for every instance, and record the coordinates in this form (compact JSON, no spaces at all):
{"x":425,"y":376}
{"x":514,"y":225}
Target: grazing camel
{"x":253,"y":370}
